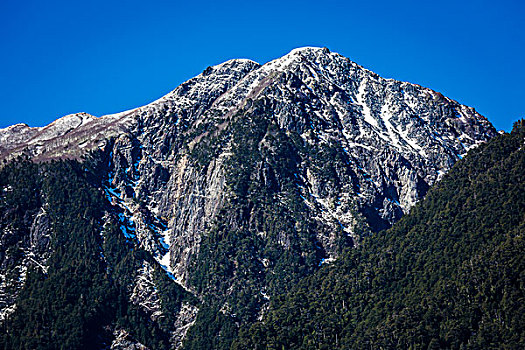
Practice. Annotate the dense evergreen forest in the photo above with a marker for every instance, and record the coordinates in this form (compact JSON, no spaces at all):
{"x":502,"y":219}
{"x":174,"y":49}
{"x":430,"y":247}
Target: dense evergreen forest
{"x":84,"y":293}
{"x":449,"y":275}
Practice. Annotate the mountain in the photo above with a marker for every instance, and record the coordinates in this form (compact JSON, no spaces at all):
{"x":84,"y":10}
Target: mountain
{"x":450,"y":275}
{"x":196,"y":210}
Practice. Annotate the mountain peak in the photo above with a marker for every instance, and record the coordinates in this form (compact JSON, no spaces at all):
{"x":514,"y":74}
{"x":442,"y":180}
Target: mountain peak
{"x":247,"y":176}
{"x":310,"y":49}
{"x":236,"y":62}
{"x":374,"y":104}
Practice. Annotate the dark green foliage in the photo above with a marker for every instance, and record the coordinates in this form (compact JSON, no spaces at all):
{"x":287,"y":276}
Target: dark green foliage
{"x":448,"y":275}
{"x":84,"y":294}
{"x":20,"y":201}
{"x":212,"y":330}
{"x":66,"y":307}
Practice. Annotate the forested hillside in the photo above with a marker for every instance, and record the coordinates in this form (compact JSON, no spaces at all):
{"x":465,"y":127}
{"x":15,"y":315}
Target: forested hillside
{"x":451,"y":274}
{"x":80,"y":271}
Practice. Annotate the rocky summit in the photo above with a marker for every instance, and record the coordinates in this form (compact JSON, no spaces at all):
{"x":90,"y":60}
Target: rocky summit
{"x":245,"y":179}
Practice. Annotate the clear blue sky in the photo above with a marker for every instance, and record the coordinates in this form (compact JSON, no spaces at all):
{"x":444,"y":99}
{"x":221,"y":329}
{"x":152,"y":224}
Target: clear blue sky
{"x":102,"y":57}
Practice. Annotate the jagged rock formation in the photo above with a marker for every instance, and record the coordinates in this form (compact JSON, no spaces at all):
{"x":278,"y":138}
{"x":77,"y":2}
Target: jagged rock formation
{"x":68,"y":137}
{"x":123,"y":342}
{"x":333,"y":147}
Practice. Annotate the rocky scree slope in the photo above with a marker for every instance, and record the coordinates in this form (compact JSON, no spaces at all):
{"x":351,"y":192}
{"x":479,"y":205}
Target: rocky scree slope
{"x":247,"y":177}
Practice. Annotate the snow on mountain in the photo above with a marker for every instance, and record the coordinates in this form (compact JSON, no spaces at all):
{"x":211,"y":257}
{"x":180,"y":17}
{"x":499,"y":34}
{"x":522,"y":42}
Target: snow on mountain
{"x":399,"y":137}
{"x":385,"y":142}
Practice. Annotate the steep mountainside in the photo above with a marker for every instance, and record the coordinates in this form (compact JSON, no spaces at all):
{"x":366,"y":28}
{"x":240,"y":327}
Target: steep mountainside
{"x":449,"y":275}
{"x":245,"y":179}
{"x":71,"y":279}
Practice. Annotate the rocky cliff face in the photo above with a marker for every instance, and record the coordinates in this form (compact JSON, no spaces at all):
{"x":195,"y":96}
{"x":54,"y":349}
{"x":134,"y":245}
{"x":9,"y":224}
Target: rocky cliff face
{"x":393,"y":141}
{"x":297,"y":157}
